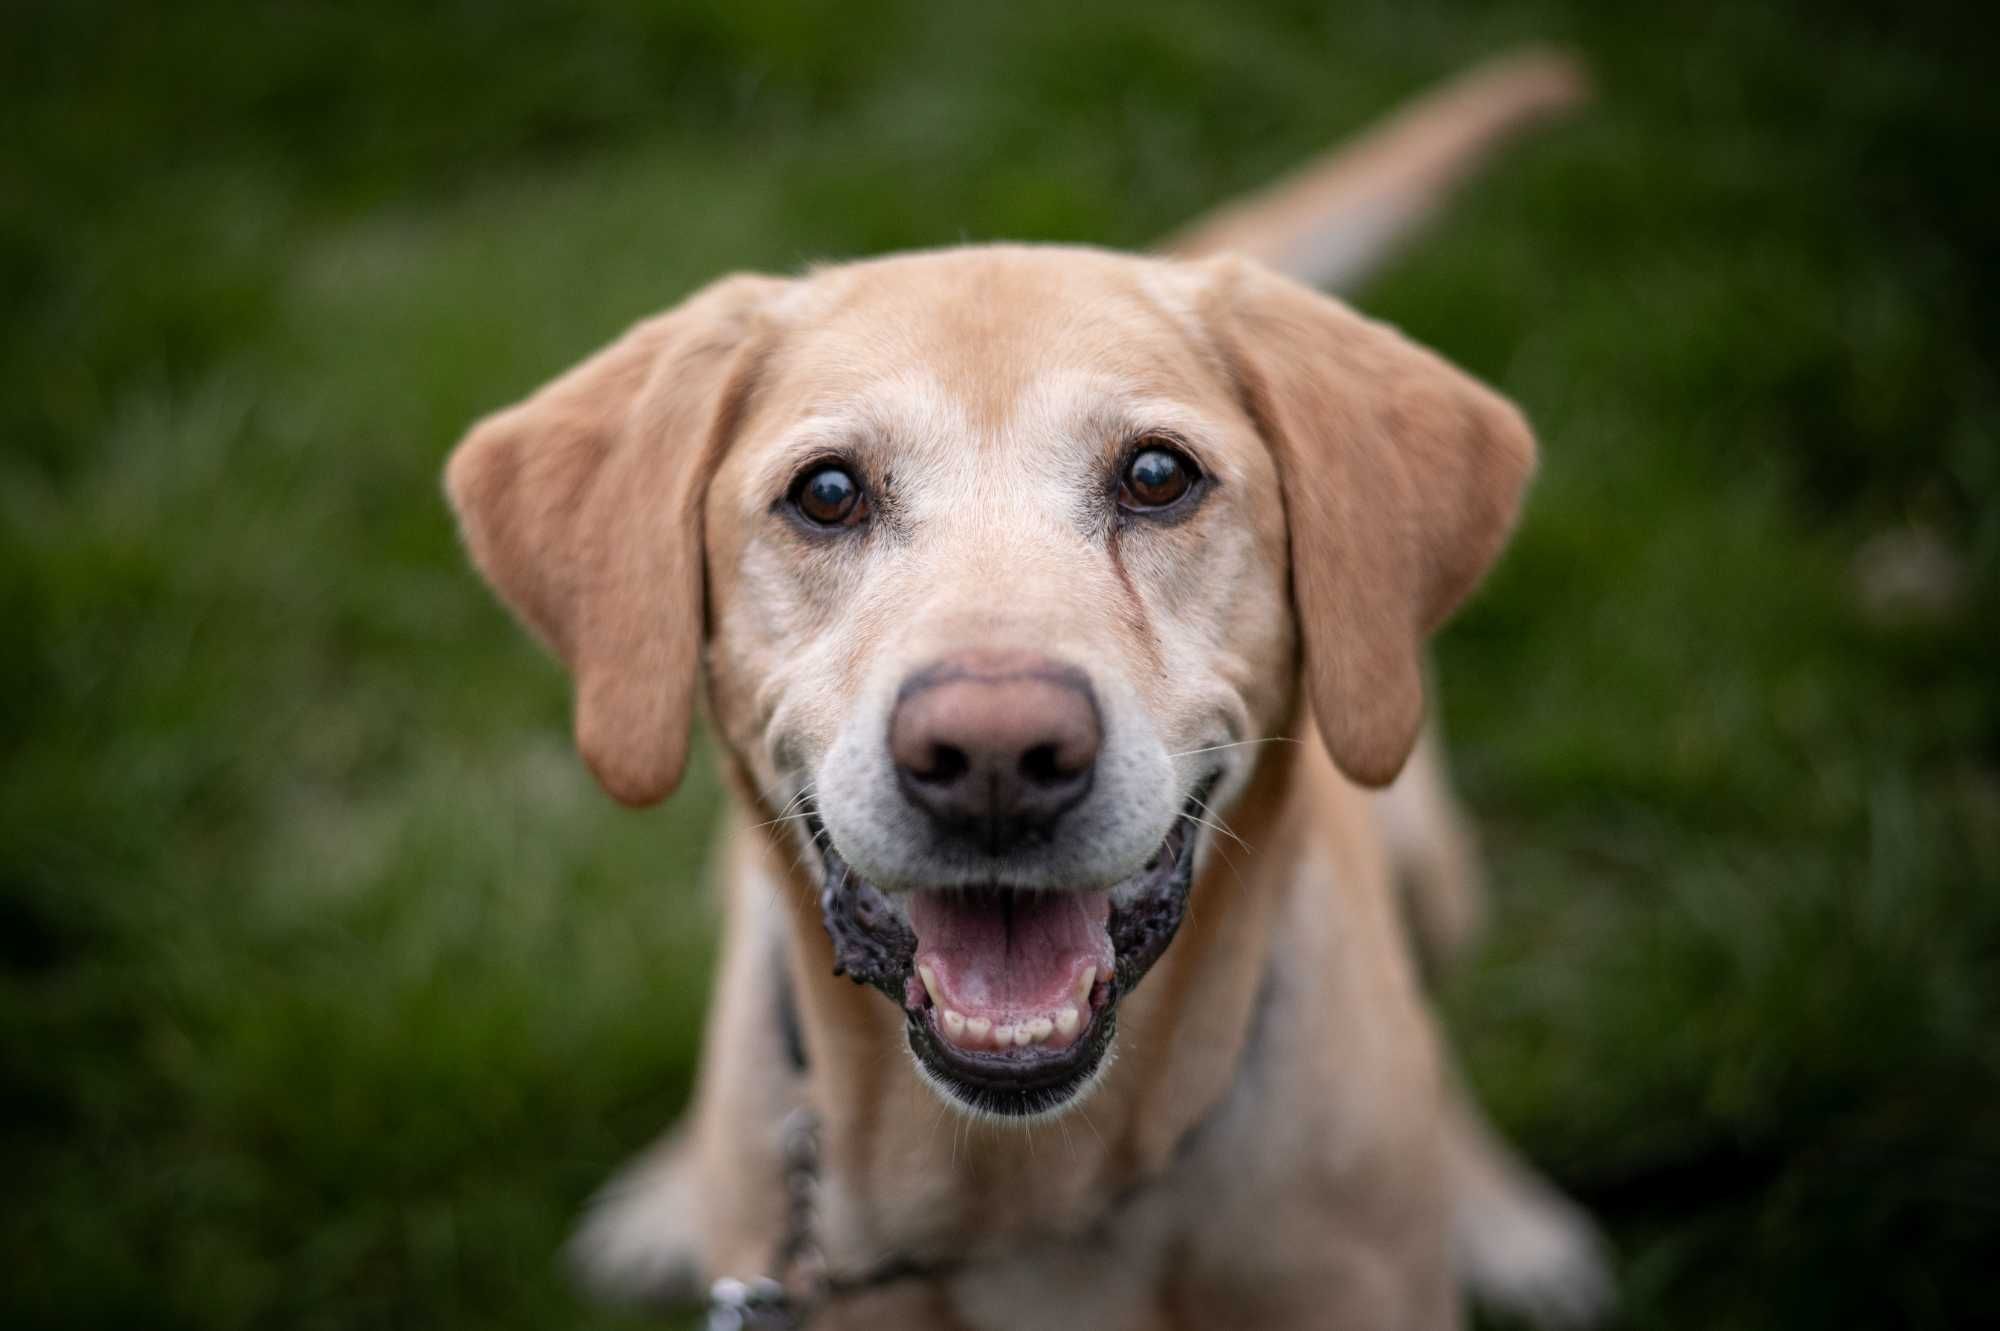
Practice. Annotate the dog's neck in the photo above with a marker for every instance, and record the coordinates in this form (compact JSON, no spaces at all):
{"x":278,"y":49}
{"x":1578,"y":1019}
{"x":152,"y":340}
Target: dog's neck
{"x":1182,"y":1044}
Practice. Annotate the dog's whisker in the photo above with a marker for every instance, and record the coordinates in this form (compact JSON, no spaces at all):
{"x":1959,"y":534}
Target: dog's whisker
{"x":930,"y":1138}
{"x":1236,"y":744}
{"x":1235,"y":875}
{"x":781,"y":818}
{"x":1220,"y":824}
{"x":1206,"y":807}
{"x":805,"y":792}
{"x":1217,"y":828}
{"x":799,"y":858}
{"x":785,"y":815}
{"x":798,"y":878}
{"x":1084,"y":1114}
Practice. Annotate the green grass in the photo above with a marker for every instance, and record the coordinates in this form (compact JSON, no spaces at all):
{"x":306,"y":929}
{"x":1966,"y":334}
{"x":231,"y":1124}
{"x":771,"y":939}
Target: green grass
{"x":328,"y":985}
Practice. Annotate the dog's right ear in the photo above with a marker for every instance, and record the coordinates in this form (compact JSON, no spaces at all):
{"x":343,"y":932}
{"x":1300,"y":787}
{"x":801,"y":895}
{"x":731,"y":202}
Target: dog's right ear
{"x":582,"y":507}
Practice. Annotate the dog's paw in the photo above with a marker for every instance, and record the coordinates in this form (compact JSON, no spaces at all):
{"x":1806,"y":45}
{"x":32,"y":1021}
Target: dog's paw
{"x":639,"y":1243}
{"x":1527,"y":1253}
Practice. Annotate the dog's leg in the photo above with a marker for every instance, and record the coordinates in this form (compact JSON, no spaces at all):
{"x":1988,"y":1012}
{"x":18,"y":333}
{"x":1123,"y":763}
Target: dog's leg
{"x":641,"y":1240}
{"x":1519,"y":1246}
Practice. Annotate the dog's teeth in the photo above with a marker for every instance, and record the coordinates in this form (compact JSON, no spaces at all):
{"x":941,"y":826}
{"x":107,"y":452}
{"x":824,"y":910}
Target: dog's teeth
{"x":976,"y":1028}
{"x":1067,"y":1021}
{"x":1003,"y":1036}
{"x":925,"y":974}
{"x":1085,"y":985}
{"x":1022,"y":1035}
{"x":954,"y":1024}
{"x":1040,"y":1029}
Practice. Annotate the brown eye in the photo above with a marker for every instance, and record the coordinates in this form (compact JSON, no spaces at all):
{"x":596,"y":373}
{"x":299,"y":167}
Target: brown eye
{"x":830,"y":497}
{"x":1156,"y":477}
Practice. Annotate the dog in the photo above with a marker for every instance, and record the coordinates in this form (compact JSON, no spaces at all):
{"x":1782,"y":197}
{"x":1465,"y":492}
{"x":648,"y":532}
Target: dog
{"x":1061,"y":614}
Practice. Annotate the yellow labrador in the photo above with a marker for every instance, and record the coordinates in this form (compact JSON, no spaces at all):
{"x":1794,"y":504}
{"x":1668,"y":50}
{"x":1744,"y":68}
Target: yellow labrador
{"x":1059,"y":610}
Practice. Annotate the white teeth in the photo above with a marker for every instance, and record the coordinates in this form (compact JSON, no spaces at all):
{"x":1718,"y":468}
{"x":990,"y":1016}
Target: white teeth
{"x":930,"y":984}
{"x":978,"y":1032}
{"x":1085,"y":985}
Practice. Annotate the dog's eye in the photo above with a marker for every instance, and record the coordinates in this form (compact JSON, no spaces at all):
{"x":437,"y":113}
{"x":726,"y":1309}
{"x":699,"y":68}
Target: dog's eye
{"x":1156,"y":477}
{"x":830,"y":497}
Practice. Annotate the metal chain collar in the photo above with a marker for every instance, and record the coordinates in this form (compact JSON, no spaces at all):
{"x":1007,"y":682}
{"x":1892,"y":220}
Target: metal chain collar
{"x":789,"y":1300}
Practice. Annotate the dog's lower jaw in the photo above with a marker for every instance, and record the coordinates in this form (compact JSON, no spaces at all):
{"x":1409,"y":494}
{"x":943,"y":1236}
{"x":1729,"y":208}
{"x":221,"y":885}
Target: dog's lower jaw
{"x":1053,"y":1088}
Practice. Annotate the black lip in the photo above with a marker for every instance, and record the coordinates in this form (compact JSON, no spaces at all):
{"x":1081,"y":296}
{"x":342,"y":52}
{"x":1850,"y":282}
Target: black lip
{"x":1017,"y":1083}
{"x":874,"y":945}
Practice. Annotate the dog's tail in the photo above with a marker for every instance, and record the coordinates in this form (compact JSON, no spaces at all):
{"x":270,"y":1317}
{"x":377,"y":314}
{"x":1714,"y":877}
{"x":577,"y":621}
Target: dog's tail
{"x":1338,"y":219}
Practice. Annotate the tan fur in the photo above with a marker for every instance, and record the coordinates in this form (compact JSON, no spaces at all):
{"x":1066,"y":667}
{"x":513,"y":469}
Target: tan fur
{"x":1276,"y":1142}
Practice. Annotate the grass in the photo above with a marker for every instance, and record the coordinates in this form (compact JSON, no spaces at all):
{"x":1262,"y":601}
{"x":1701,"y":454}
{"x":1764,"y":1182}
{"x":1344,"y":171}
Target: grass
{"x":329,"y":987}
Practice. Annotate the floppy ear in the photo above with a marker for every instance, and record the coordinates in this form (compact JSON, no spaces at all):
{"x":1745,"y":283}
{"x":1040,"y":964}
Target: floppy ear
{"x":1402,"y":476}
{"x":582,"y":507}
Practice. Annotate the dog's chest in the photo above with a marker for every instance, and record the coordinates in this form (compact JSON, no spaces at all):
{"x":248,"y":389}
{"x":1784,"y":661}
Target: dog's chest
{"x":1107,"y":1274}
{"x":1029,"y":1256}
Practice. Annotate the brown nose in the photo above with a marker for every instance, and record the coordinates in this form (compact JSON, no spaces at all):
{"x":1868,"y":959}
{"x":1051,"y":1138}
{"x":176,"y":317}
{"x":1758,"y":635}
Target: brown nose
{"x":995,"y":747}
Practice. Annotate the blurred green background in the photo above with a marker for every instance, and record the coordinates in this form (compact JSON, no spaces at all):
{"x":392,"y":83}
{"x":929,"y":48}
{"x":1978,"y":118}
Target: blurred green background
{"x":329,"y":987}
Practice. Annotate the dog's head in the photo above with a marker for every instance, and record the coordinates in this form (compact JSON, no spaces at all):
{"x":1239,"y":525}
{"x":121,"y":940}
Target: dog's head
{"x":997,"y":557}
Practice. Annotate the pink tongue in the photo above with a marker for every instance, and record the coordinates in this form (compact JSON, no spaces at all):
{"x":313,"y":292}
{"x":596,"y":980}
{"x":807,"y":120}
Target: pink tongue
{"x":1018,"y":954}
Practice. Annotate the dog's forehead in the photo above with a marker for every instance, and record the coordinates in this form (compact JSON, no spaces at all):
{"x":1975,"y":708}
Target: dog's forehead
{"x":991,"y":336}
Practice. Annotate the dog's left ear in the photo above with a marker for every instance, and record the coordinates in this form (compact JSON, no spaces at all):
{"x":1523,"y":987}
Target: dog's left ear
{"x":1402,"y":477}
{"x":582,"y":506}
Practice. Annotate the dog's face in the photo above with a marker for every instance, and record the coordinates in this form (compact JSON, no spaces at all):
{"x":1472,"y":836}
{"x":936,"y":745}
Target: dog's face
{"x":996,"y":577}
{"x":988,"y":553}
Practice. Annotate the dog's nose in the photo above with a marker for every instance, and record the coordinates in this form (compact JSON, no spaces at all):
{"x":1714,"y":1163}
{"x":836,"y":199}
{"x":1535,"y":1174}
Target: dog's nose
{"x":995,"y":747}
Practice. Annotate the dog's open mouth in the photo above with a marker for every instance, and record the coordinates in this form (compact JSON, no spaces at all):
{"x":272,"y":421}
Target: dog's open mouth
{"x":1003,"y":970}
{"x":1010,"y":995}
